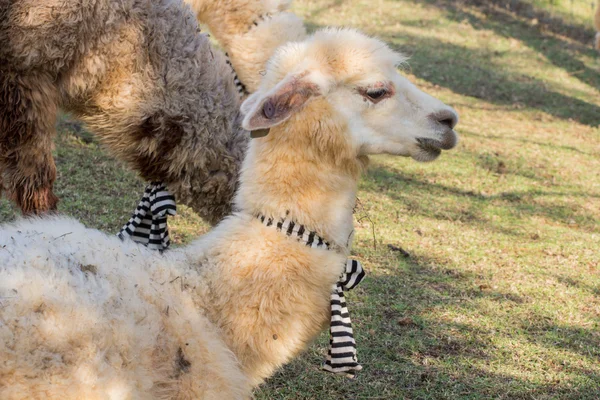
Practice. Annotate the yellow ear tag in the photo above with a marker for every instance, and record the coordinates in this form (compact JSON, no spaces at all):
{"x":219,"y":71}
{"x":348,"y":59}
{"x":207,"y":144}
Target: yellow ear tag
{"x":259,"y":133}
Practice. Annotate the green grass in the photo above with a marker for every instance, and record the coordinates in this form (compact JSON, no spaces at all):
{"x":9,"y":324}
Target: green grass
{"x":577,"y":11}
{"x":500,"y":294}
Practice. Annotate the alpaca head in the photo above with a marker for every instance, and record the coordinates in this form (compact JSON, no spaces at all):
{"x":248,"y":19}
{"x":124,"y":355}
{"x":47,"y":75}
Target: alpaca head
{"x":353,"y":78}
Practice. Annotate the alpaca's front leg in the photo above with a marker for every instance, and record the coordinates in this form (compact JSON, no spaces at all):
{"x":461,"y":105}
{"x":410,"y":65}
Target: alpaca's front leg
{"x":28,"y":108}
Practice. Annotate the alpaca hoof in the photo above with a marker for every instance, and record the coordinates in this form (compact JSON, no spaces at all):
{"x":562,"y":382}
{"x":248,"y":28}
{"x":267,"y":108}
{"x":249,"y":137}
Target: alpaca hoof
{"x":35,"y":202}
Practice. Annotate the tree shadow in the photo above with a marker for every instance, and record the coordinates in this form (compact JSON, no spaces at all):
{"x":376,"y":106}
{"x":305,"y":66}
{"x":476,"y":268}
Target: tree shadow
{"x":576,"y":339}
{"x":470,"y":209}
{"x":582,"y":284}
{"x":547,"y":37}
{"x":553,"y":145}
{"x":460,"y":69}
{"x":424,"y":285}
{"x":544,"y":20}
{"x":409,"y":351}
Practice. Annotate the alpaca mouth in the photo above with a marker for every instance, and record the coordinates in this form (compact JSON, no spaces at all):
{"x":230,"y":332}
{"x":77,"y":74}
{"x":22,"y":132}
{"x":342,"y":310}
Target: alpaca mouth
{"x":427,"y":152}
{"x":448,"y":141}
{"x":430,"y":149}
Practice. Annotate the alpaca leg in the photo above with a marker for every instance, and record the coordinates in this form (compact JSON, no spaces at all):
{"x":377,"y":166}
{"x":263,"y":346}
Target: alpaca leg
{"x":28,"y":107}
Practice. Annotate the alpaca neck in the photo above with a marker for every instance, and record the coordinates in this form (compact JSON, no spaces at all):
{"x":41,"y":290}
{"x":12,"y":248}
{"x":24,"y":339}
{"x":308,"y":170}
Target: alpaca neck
{"x":224,"y":21}
{"x":280,"y":179}
{"x":283,"y":176}
{"x":274,"y":299}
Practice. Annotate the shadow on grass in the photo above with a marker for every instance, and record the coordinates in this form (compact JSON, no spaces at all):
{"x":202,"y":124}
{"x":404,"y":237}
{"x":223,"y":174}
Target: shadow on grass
{"x":544,"y":20}
{"x":463,"y":70}
{"x":583,"y":284}
{"x":575,"y":339}
{"x":432,"y":345}
{"x":470,"y":207}
{"x":542,"y":37}
{"x":409,"y":349}
{"x":550,"y":145}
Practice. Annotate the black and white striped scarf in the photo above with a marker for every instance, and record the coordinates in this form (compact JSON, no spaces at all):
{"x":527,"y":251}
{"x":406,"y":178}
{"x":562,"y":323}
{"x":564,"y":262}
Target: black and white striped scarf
{"x":241,"y":88}
{"x":148,"y":224}
{"x":341,"y":358}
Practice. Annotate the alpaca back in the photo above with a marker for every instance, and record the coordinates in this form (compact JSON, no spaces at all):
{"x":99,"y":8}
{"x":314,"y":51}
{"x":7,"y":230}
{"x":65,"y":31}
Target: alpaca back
{"x":163,"y":100}
{"x":84,"y":315}
{"x":49,"y":35}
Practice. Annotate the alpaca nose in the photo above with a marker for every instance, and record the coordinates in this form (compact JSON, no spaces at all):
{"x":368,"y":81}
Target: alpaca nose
{"x":447,"y":118}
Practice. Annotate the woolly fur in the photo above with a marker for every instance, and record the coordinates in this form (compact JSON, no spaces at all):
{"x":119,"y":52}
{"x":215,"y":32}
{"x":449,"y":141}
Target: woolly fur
{"x":142,"y":78}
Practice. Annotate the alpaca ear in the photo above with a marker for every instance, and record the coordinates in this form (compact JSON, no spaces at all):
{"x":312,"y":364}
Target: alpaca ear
{"x":264,"y":111}
{"x":250,"y":103}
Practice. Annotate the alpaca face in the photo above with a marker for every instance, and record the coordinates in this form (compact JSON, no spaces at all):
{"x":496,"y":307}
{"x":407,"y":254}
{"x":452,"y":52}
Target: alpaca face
{"x":388,"y":114}
{"x":357,"y":76}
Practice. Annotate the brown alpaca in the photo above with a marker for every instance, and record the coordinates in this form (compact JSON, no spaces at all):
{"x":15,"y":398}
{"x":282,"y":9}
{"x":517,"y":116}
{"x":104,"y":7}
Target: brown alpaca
{"x":142,"y":78}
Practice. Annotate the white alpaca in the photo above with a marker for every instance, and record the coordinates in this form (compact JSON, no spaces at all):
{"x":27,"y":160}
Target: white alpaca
{"x":86,"y":316}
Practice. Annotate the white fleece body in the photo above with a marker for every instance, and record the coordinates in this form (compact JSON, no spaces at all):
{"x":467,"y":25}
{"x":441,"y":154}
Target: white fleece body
{"x":89,"y":316}
{"x":84,"y":315}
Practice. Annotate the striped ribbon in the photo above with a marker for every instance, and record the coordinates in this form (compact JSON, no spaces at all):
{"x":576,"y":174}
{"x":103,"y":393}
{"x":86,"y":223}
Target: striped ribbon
{"x":241,"y":88}
{"x":148,"y":224}
{"x":341,"y":358}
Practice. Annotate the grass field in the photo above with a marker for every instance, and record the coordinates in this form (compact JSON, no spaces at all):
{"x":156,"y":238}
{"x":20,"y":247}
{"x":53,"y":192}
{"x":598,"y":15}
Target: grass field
{"x":499,"y":296}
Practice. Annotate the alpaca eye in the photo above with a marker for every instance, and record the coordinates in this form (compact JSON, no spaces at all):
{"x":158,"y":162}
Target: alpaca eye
{"x":376,"y":94}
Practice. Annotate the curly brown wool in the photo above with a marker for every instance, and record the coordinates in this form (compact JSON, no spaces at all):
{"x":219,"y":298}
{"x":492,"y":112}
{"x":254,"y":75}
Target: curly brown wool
{"x":142,"y":78}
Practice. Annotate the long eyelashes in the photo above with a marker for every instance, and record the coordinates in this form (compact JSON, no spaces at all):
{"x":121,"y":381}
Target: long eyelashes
{"x":377,"y":93}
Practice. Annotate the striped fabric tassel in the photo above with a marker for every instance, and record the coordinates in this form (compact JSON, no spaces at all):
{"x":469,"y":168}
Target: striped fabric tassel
{"x":148,"y":224}
{"x":341,"y":358}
